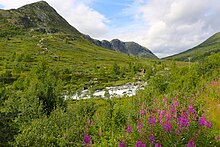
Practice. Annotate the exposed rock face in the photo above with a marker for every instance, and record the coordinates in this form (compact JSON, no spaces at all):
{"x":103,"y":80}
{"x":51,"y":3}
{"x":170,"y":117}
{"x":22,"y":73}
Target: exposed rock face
{"x":130,"y":48}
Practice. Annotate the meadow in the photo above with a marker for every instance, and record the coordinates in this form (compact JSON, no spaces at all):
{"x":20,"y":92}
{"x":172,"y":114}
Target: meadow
{"x":179,"y":107}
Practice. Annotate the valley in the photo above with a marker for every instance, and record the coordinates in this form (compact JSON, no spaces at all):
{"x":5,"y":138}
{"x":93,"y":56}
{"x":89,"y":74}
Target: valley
{"x":59,"y":87}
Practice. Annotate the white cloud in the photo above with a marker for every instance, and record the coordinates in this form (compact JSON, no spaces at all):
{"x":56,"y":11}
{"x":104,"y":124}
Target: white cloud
{"x":78,"y":13}
{"x":171,"y":26}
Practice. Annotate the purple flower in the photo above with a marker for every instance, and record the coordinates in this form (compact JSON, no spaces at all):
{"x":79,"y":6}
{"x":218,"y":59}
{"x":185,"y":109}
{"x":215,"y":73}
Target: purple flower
{"x":140,"y":126}
{"x":218,"y":138}
{"x":129,"y":129}
{"x":204,"y":122}
{"x":175,"y":103}
{"x":164,"y":100}
{"x":191,"y":109}
{"x":151,"y":137}
{"x":158,"y":145}
{"x":122,"y":144}
{"x":183,"y":122}
{"x":161,"y":112}
{"x":191,"y":143}
{"x":140,"y":144}
{"x":152,"y":121}
{"x":167,"y":127}
{"x":86,"y":139}
{"x":142,"y":112}
{"x":173,"y":109}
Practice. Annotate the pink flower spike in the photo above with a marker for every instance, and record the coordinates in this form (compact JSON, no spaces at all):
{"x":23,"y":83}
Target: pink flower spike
{"x":191,"y":109}
{"x":122,"y":144}
{"x":129,"y":129}
{"x":142,"y":112}
{"x":86,"y":139}
{"x":152,"y":121}
{"x":158,"y":145}
{"x":139,"y":127}
{"x":151,"y":137}
{"x":140,"y":144}
{"x":164,"y":100}
{"x":175,"y":103}
{"x":191,"y":143}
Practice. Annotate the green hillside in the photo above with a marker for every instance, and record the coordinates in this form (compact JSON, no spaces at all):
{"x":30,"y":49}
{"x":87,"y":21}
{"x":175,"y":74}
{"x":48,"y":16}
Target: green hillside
{"x":35,"y":33}
{"x":208,"y":47}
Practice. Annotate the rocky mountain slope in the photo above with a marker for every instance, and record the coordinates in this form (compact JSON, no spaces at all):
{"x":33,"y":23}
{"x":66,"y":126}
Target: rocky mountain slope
{"x":130,"y":48}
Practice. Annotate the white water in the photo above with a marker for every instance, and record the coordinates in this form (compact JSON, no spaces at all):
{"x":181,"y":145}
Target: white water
{"x":117,"y":92}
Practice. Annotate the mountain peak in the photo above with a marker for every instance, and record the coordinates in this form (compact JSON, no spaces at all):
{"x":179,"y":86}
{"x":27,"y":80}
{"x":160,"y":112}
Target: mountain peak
{"x":39,"y":16}
{"x":41,"y":5}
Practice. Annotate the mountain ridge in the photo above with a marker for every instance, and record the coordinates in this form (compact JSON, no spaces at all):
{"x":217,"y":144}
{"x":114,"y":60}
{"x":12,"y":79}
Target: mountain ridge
{"x":41,"y":17}
{"x":130,"y":48}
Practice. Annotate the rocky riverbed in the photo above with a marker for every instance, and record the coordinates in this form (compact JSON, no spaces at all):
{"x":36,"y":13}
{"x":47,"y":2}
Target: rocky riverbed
{"x":128,"y":90}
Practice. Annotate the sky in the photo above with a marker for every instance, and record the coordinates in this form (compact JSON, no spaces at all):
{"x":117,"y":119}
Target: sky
{"x":166,"y":27}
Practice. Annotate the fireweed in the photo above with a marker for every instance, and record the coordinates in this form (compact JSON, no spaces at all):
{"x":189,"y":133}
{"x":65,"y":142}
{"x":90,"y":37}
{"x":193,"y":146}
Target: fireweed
{"x":178,"y":121}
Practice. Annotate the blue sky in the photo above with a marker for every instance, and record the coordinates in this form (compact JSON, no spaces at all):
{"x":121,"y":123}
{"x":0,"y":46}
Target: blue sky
{"x":166,"y":27}
{"x":1,"y":6}
{"x":114,"y":11}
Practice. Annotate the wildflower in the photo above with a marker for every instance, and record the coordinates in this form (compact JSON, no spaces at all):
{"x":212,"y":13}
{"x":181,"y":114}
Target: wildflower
{"x":151,"y":137}
{"x":191,"y":109}
{"x":86,"y":139}
{"x":129,"y":129}
{"x":152,"y":121}
{"x":204,"y":122}
{"x":161,"y":112}
{"x":191,"y":143}
{"x":158,"y":145}
{"x":140,"y":126}
{"x":167,"y":127}
{"x":172,"y":109}
{"x":175,"y":103}
{"x":142,"y":112}
{"x":140,"y":144}
{"x":164,"y":100}
{"x":184,"y":114}
{"x":218,"y":138}
{"x":122,"y":144}
{"x":183,"y":122}
{"x":177,"y":131}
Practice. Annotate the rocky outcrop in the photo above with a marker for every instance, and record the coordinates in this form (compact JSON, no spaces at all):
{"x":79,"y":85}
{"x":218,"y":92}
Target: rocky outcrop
{"x":130,"y":48}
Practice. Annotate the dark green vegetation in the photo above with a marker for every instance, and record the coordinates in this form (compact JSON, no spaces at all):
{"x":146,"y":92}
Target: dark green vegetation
{"x":208,"y":47}
{"x":179,"y":106}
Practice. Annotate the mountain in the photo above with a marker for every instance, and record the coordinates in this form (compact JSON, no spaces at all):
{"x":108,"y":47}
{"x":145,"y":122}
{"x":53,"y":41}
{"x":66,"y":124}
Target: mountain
{"x":130,"y":48}
{"x":41,"y":17}
{"x":36,"y":33}
{"x":208,"y":47}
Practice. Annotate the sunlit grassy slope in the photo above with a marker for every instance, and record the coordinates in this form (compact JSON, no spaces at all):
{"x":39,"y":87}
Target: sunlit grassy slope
{"x":208,"y":47}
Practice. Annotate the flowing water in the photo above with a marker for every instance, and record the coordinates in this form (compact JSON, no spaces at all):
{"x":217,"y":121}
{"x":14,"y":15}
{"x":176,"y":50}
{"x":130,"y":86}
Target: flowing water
{"x":128,"y":90}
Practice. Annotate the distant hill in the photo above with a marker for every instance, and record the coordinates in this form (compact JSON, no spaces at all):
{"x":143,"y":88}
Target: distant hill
{"x":41,"y":17}
{"x":208,"y":47}
{"x":130,"y":48}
